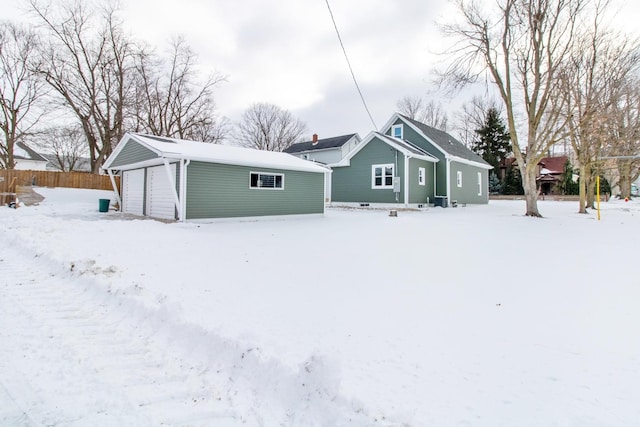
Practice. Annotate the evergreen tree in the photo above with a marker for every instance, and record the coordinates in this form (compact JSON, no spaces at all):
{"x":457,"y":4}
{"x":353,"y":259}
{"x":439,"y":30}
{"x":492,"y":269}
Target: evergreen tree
{"x":512,"y":182}
{"x":494,"y":143}
{"x":495,"y":186}
{"x":567,"y":185}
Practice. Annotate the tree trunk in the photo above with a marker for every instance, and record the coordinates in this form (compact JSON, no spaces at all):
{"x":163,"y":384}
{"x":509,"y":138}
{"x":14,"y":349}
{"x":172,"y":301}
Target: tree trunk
{"x":583,"y":189}
{"x":624,"y":167}
{"x":591,"y":192}
{"x":531,"y":189}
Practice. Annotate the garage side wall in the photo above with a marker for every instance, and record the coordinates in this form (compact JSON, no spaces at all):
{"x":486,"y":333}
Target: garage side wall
{"x":223,"y":191}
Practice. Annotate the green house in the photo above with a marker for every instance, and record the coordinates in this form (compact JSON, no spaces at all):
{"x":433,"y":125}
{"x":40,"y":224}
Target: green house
{"x":186,"y":180}
{"x":411,"y":164}
{"x":384,"y":170}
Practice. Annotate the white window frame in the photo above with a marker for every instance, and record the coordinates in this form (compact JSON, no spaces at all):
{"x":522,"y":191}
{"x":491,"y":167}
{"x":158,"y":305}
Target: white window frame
{"x":479,"y":183}
{"x":259,"y":187}
{"x":393,"y":131}
{"x":459,"y":179}
{"x":422,"y":174}
{"x":383,"y":167}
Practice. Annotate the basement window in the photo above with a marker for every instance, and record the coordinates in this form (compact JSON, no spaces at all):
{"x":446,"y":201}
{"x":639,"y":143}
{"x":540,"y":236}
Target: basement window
{"x":269,"y":181}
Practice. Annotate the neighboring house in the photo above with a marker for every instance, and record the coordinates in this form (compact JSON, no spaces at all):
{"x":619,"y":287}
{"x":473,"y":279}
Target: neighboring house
{"x":82,"y":164}
{"x":412,"y":164}
{"x":176,"y":179}
{"x":326,"y":150}
{"x":549,"y":174}
{"x":28,"y":159}
{"x":550,"y":170}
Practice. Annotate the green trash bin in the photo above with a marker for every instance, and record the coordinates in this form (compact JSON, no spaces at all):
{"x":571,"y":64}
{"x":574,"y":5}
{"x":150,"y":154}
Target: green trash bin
{"x":104,"y":205}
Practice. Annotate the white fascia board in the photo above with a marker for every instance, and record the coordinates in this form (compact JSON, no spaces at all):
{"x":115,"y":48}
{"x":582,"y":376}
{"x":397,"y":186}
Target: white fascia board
{"x":123,"y":142}
{"x":151,"y":162}
{"x":469,"y":162}
{"x":390,"y":122}
{"x":316,"y":151}
{"x":311,"y":167}
{"x":391,"y":141}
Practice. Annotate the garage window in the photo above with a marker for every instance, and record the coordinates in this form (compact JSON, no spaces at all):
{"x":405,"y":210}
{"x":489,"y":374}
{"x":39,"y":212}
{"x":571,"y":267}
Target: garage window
{"x":272,"y":181}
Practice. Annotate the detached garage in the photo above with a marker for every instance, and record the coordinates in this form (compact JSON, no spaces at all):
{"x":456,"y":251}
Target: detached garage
{"x":176,"y":179}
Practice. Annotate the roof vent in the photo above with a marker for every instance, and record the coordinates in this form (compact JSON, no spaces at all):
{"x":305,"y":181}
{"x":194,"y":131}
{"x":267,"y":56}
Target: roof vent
{"x":315,"y":139}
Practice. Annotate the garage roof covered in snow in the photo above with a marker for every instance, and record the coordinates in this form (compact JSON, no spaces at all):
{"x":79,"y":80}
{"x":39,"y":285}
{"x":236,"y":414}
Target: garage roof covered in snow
{"x":171,"y":148}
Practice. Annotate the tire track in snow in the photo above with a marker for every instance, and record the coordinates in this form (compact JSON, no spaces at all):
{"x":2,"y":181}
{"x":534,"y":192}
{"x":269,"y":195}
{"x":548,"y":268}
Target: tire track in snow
{"x":75,"y":362}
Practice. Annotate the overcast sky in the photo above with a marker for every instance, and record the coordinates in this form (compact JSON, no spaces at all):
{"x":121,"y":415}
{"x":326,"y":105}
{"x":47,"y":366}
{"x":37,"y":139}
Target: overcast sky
{"x":287,"y":53}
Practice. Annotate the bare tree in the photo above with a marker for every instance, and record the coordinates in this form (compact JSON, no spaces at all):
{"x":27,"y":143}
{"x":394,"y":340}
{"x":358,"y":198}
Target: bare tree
{"x":593,"y":79}
{"x":473,"y":117}
{"x":268,"y":127}
{"x":66,"y":145}
{"x":424,"y":111}
{"x":521,"y":44}
{"x":170,"y":101}
{"x":20,"y":88}
{"x":88,"y":63}
{"x":623,"y":132}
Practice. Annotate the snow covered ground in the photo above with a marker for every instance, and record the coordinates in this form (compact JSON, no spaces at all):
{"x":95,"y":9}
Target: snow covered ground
{"x":471,"y":316}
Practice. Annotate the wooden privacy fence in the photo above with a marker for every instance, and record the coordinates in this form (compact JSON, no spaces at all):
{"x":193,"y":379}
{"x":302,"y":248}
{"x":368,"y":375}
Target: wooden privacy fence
{"x":56,"y":179}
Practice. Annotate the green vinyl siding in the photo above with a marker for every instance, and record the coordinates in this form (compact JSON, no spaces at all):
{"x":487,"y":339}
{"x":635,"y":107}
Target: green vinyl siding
{"x":469,"y":191}
{"x":223,"y":191}
{"x":420,"y":193}
{"x":353,"y":183}
{"x":133,"y":153}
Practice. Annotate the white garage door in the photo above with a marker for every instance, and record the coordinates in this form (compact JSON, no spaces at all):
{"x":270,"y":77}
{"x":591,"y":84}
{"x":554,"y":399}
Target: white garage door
{"x":160,"y":193}
{"x":133,"y":191}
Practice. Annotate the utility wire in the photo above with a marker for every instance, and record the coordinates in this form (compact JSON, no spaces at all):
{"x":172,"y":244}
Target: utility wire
{"x":349,"y":64}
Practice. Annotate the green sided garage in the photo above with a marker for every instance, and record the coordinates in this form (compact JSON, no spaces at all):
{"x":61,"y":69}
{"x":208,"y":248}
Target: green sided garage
{"x":182,"y":180}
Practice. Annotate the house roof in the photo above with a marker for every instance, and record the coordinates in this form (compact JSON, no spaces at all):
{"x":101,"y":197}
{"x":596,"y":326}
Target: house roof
{"x":447,"y":143}
{"x":405,"y":147}
{"x":553,"y":164}
{"x":83,"y":164}
{"x":171,"y":148}
{"x":23,"y":152}
{"x":321,"y":144}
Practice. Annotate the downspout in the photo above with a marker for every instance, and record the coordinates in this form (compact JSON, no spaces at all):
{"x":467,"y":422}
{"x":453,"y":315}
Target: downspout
{"x":172,"y":182}
{"x":448,"y":170}
{"x":406,"y":180}
{"x":115,"y":188}
{"x":435,"y":187}
{"x":183,"y":188}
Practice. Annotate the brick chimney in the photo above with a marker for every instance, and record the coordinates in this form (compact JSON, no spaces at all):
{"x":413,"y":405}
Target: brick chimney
{"x":315,"y":139}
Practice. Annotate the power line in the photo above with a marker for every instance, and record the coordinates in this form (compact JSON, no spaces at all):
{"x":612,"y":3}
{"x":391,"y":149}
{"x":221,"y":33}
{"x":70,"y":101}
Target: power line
{"x":350,"y":68}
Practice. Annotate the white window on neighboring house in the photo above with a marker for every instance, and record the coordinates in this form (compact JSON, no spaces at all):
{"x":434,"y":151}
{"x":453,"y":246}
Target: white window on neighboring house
{"x":459,"y":178}
{"x":396,"y":131}
{"x":272,"y":181}
{"x":479,"y":184}
{"x":421,"y":176}
{"x":382,"y":176}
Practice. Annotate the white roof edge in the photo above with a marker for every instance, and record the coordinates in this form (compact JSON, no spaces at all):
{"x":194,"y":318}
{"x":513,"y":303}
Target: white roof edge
{"x":391,"y":140}
{"x":128,"y":136}
{"x":290,"y":162}
{"x":469,"y":162}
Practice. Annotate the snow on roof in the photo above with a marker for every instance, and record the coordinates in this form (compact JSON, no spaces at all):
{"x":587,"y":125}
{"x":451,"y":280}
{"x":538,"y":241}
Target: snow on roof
{"x":217,"y":153}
